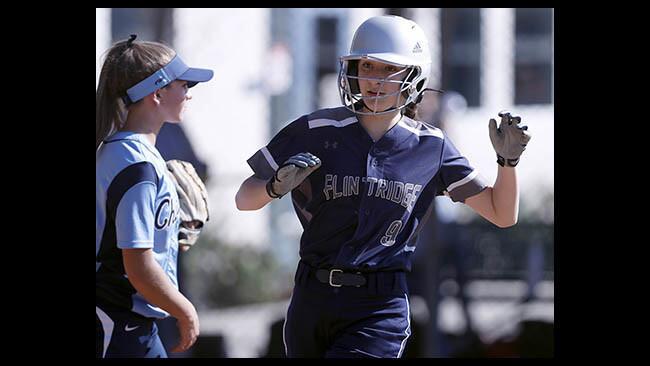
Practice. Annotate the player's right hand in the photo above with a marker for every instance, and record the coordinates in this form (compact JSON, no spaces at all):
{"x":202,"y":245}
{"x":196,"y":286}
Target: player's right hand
{"x":188,"y":329}
{"x":292,"y":173}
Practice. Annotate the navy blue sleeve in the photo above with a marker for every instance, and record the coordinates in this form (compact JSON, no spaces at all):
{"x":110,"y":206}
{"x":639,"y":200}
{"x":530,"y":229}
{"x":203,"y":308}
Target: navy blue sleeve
{"x":458,"y":178}
{"x":130,"y":204}
{"x":286,"y":143}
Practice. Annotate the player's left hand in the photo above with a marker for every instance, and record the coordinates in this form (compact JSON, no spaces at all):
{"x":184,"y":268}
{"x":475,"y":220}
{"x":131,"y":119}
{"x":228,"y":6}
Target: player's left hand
{"x":509,"y":139}
{"x":188,"y":233}
{"x":187,"y":239}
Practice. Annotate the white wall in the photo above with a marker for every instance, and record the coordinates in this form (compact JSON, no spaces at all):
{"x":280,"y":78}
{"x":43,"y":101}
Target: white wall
{"x":102,"y":37}
{"x":228,"y":117}
{"x":497,"y":52}
{"x":535,"y":172}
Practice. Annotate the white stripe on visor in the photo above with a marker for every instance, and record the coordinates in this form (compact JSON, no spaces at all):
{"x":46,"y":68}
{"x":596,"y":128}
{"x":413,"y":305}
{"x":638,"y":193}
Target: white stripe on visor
{"x":175,"y":68}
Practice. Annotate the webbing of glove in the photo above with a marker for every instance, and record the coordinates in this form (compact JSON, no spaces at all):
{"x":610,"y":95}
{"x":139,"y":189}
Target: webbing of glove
{"x":191,"y":191}
{"x":193,"y":200}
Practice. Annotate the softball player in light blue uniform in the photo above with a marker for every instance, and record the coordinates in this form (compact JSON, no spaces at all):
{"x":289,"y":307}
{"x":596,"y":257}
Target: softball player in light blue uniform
{"x":137,"y":207}
{"x":133,"y":197}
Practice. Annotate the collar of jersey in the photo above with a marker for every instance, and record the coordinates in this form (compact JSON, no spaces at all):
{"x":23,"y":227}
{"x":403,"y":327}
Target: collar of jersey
{"x":134,"y":136}
{"x":391,"y":139}
{"x":128,"y":135}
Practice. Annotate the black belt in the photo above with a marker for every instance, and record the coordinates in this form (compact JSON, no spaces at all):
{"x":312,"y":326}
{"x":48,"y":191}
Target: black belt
{"x":337,"y":278}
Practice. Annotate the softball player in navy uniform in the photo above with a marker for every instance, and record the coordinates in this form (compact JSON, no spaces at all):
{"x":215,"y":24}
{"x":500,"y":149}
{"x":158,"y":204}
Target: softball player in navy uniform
{"x":362,"y":179}
{"x":142,"y":85}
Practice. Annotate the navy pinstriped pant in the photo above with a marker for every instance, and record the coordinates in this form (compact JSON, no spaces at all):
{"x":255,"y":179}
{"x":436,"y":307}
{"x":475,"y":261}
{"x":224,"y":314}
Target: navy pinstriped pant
{"x":347,"y":322}
{"x":123,"y":333}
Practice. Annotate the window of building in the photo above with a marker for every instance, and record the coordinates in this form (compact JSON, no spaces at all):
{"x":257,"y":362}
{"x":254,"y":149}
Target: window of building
{"x":402,"y":12}
{"x":150,"y":24}
{"x":461,"y":52}
{"x":533,"y":56}
{"x":327,"y":52}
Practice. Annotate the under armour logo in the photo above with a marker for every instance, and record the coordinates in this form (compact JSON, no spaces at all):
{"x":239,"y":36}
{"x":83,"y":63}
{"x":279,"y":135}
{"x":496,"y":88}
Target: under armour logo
{"x":417,"y":48}
{"x":333,"y":144}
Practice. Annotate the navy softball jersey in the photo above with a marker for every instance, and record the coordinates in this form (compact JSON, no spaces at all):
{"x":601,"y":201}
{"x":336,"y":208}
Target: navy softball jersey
{"x":361,"y":212}
{"x":368,"y":200}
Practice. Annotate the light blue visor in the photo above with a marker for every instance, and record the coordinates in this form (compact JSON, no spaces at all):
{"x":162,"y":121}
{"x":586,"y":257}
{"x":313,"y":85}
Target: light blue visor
{"x":174,"y":70}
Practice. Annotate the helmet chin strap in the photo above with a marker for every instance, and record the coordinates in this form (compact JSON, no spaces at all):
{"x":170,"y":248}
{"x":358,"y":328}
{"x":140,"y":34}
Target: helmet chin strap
{"x":416,"y":101}
{"x":389,"y":109}
{"x":393,"y":108}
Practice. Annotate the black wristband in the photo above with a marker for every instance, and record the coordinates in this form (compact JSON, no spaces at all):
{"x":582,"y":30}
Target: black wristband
{"x":507,"y":162}
{"x":269,"y":189}
{"x":501,"y":160}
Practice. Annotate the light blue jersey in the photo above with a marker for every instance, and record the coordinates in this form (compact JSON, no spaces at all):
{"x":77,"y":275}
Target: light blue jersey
{"x":136,"y":207}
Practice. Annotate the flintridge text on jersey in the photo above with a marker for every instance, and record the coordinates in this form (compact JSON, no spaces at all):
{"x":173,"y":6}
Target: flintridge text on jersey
{"x":401,"y":193}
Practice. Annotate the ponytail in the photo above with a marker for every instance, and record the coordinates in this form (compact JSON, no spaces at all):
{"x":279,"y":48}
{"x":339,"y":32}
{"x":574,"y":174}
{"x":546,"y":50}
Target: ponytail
{"x":110,"y":112}
{"x":126,"y":64}
{"x":411,"y":109}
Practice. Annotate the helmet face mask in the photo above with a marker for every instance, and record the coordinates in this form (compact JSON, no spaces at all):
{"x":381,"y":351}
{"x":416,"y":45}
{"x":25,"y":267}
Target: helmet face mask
{"x":391,"y":40}
{"x":353,"y":98}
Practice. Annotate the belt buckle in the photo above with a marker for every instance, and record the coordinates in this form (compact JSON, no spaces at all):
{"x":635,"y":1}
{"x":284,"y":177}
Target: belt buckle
{"x":331,"y":273}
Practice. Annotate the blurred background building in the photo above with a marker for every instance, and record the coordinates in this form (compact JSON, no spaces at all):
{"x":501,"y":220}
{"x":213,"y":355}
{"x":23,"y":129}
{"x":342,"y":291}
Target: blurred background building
{"x":486,"y":292}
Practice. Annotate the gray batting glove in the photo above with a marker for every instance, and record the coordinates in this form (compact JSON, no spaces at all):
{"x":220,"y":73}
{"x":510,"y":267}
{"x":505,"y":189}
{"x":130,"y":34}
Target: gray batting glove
{"x":291,"y":174}
{"x":509,"y":139}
